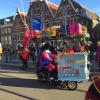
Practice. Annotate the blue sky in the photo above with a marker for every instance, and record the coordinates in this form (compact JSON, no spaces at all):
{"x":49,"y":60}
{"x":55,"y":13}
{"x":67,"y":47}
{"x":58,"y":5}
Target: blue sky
{"x":8,"y":7}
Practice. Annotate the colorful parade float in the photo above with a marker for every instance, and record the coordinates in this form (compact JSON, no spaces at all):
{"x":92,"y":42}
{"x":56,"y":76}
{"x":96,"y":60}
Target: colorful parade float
{"x":72,"y":52}
{"x":71,"y":41}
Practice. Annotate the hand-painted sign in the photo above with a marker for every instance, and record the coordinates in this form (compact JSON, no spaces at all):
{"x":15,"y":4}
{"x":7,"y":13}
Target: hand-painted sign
{"x":36,"y":23}
{"x":72,"y":67}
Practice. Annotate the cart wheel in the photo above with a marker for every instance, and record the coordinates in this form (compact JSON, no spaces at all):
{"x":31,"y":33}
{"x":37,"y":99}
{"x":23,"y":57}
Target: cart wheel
{"x":72,"y":85}
{"x":40,"y":77}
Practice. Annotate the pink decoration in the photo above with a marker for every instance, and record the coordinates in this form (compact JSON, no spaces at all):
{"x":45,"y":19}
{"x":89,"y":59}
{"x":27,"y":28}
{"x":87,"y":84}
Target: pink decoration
{"x":72,"y":28}
{"x":75,"y":28}
{"x":78,"y":28}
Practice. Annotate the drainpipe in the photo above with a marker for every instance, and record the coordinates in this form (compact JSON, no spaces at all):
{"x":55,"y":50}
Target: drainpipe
{"x":42,"y":20}
{"x":65,"y":19}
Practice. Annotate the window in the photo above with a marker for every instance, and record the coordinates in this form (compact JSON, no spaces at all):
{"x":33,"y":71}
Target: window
{"x":47,"y":24}
{"x":9,"y":29}
{"x":2,"y":40}
{"x":58,"y":23}
{"x":4,"y":31}
{"x":6,"y":42}
{"x":19,"y":37}
{"x":9,"y":40}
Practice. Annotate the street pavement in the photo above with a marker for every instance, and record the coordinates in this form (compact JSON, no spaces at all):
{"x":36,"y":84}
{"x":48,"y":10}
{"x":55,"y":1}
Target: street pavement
{"x":23,"y":85}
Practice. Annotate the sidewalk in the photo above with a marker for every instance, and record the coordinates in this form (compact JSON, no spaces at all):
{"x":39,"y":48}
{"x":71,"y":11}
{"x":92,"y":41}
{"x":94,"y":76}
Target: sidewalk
{"x":12,"y":61}
{"x":16,"y":64}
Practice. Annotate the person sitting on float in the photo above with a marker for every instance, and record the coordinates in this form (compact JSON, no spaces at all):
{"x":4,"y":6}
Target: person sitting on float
{"x":47,"y":58}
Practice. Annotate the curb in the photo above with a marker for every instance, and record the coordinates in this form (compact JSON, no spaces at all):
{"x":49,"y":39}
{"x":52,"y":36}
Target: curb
{"x":10,"y":65}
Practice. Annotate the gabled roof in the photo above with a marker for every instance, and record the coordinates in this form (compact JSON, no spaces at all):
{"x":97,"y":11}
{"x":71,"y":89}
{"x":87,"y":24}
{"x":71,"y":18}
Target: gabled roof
{"x":64,"y":2}
{"x":8,"y":19}
{"x":52,"y":5}
{"x":90,"y":14}
{"x":23,"y":14}
{"x":84,"y":11}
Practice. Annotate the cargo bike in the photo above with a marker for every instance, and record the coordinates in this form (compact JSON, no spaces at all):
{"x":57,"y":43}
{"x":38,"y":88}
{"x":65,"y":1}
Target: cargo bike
{"x":71,"y":69}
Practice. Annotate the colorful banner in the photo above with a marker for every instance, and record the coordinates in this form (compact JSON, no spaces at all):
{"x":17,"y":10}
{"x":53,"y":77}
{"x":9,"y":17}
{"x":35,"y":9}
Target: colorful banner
{"x":72,"y":67}
{"x":36,"y":23}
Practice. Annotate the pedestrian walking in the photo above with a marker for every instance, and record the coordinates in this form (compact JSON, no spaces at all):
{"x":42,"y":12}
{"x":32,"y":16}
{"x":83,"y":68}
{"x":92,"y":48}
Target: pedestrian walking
{"x":32,"y":54}
{"x":93,"y":92}
{"x":24,"y":57}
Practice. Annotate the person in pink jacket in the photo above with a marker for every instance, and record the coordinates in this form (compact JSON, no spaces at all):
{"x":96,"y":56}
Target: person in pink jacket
{"x":47,"y":59}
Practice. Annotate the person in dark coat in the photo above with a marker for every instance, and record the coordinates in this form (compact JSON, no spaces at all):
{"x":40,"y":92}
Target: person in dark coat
{"x":32,"y":54}
{"x":93,"y":92}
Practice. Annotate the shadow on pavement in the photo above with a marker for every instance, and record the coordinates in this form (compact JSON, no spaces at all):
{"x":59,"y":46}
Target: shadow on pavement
{"x":27,"y":83}
{"x":30,"y":83}
{"x":18,"y":72}
{"x":8,"y":80}
{"x":23,"y":96}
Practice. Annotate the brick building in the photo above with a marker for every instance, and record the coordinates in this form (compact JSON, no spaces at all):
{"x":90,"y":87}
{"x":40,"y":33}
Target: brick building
{"x":76,"y":13}
{"x":50,"y":15}
{"x":43,"y":9}
{"x":18,"y":28}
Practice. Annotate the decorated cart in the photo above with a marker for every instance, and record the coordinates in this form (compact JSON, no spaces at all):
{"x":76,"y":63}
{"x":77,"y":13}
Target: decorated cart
{"x":71,"y":42}
{"x":72,"y":56}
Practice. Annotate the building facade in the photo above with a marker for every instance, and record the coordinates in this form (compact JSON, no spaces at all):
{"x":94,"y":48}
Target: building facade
{"x":44,"y":10}
{"x":51,"y":14}
{"x":70,"y":11}
{"x":6,"y":25}
{"x":18,"y":28}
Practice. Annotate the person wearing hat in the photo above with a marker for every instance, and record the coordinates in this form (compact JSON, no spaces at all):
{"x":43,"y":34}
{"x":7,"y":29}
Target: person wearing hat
{"x":47,"y":58}
{"x":93,"y":92}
